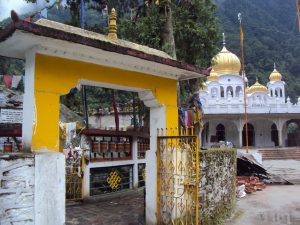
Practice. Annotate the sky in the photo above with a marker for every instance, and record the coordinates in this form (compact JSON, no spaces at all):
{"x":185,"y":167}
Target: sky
{"x":21,"y":7}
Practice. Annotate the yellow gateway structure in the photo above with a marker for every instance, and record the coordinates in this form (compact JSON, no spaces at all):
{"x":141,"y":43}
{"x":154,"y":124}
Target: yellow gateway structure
{"x":59,"y":57}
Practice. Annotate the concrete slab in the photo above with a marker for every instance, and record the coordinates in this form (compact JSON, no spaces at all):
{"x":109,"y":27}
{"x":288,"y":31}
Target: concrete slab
{"x":286,"y":169}
{"x":275,"y":205}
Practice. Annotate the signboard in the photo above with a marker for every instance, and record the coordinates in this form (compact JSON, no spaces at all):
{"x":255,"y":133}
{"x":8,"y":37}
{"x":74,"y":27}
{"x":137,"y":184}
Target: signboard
{"x":11,"y":116}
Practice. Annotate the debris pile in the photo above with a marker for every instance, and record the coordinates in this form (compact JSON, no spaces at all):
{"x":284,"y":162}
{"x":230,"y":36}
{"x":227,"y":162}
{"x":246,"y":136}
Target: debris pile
{"x":251,"y":183}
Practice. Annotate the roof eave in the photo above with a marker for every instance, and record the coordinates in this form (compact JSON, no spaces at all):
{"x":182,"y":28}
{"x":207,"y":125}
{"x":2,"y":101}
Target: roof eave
{"x":189,"y":71}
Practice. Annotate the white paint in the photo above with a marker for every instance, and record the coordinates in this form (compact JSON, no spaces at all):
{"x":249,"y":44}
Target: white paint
{"x":157,"y":120}
{"x":49,"y":199}
{"x":29,"y":100}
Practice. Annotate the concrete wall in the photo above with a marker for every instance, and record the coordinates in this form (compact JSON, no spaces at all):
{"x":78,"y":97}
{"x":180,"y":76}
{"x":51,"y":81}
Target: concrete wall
{"x":216,"y":185}
{"x":32,"y":189}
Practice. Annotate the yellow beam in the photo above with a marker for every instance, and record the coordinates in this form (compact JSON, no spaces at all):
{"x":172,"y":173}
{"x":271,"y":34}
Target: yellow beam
{"x":55,"y":76}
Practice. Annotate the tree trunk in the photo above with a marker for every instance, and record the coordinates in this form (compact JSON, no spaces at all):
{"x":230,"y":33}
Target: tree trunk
{"x":167,"y":33}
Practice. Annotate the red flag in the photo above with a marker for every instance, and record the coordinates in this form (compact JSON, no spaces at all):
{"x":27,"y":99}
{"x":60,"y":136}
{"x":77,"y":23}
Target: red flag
{"x":7,"y":80}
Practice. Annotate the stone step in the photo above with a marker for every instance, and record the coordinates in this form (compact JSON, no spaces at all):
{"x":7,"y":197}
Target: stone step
{"x":280,"y":154}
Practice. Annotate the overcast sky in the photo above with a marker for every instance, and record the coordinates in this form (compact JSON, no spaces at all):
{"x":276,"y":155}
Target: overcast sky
{"x":20,"y":6}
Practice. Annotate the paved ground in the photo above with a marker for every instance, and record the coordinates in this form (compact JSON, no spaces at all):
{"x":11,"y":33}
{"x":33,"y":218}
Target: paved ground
{"x":125,"y":209}
{"x":287,"y":169}
{"x":275,"y":205}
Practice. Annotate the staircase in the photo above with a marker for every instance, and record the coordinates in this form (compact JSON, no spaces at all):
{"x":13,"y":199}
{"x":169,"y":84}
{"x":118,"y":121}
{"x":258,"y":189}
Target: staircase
{"x":280,"y":153}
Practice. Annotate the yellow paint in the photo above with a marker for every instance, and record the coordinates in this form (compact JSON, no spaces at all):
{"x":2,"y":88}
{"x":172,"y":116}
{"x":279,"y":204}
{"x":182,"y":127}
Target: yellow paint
{"x":55,"y":76}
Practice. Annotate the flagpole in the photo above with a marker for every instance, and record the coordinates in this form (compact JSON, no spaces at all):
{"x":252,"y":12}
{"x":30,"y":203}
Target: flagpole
{"x":298,"y":13}
{"x":243,"y":75}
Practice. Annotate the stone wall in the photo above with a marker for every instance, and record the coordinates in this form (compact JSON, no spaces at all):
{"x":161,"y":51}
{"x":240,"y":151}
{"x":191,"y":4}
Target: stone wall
{"x":17,"y":189}
{"x":32,"y":188}
{"x":216,"y":185}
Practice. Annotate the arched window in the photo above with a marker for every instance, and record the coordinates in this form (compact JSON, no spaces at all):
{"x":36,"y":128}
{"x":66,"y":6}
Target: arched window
{"x":229,"y":91}
{"x":214,"y":92}
{"x":222,"y":92}
{"x":251,"y":135}
{"x":276,"y":93}
{"x":280,"y":92}
{"x":274,"y":134}
{"x":271,"y":93}
{"x":238,"y":90}
{"x":220,"y":132}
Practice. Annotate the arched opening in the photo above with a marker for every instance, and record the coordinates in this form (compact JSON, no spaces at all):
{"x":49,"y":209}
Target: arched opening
{"x":281,"y":93}
{"x":276,"y":93}
{"x":293,"y":133}
{"x":220,"y":132}
{"x":229,"y":91}
{"x":238,"y":90}
{"x":274,"y":134}
{"x":214,"y":92}
{"x":222,"y":92}
{"x":251,"y":135}
{"x":271,"y":93}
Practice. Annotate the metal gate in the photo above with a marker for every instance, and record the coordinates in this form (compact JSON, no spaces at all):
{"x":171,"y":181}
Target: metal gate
{"x":177,"y":177}
{"x":74,"y":179}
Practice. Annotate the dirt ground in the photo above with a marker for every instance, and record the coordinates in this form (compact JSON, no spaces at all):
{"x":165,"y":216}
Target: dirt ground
{"x":275,"y":205}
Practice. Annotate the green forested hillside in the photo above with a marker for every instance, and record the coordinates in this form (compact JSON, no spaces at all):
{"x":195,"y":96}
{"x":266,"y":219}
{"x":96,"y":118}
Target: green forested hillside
{"x":271,"y":35}
{"x":270,"y":29}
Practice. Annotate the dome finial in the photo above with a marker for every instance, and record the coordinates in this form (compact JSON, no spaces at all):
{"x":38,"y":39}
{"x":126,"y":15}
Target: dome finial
{"x":274,"y":66}
{"x":256,"y":79}
{"x":112,"y":28}
{"x":224,"y":39}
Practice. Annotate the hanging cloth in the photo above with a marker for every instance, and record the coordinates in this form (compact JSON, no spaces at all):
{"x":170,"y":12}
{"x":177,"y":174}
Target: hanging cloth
{"x":7,"y":80}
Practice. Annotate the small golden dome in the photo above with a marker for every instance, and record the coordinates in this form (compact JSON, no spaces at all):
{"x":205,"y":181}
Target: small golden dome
{"x":213,"y":76}
{"x":225,"y":62}
{"x":257,"y":87}
{"x":275,"y":75}
{"x":203,"y":86}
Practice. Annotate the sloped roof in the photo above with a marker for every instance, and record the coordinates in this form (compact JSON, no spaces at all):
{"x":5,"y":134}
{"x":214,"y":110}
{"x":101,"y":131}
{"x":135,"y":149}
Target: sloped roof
{"x":20,"y":36}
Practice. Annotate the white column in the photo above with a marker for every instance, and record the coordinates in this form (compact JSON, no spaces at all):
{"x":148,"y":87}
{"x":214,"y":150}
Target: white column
{"x":135,"y":165}
{"x":157,"y":120}
{"x":28,"y":100}
{"x":86,"y":180}
{"x":280,"y":135}
{"x":50,"y":189}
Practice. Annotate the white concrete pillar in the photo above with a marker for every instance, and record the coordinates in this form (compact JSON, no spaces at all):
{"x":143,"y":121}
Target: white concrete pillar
{"x":135,"y":165}
{"x":28,"y":100}
{"x":280,"y":124}
{"x":50,"y":189}
{"x":86,"y":180}
{"x":157,"y":120}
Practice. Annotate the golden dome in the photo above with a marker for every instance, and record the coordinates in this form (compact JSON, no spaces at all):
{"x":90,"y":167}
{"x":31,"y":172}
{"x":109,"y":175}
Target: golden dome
{"x":225,"y":62}
{"x":213,"y":76}
{"x":203,"y":86}
{"x":257,"y":87}
{"x":275,"y":75}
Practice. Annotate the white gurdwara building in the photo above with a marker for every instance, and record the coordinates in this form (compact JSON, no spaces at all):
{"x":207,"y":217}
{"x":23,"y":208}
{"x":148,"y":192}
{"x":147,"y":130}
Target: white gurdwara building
{"x":272,"y":119}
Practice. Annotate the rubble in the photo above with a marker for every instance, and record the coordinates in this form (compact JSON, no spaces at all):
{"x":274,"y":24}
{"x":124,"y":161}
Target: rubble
{"x":247,"y":166}
{"x":251,"y":183}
